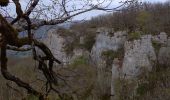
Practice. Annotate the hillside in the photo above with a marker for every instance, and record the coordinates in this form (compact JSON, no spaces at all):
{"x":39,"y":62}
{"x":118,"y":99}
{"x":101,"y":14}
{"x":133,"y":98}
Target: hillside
{"x":124,"y":55}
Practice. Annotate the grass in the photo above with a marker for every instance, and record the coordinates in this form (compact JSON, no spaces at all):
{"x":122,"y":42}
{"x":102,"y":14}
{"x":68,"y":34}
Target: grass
{"x":18,"y":68}
{"x":155,"y":83}
{"x":147,"y":86}
{"x":124,"y":89}
{"x":81,"y":76}
{"x":81,"y":79}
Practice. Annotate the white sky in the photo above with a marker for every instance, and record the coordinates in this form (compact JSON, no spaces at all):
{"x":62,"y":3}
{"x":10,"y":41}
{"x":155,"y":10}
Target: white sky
{"x":90,"y":14}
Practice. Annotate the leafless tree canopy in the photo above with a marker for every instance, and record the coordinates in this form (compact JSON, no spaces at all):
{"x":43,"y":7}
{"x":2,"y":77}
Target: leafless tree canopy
{"x":51,"y":13}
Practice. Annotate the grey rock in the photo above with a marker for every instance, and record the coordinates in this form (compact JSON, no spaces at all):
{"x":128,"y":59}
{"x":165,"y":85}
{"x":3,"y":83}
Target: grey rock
{"x":116,"y":72}
{"x":138,"y":54}
{"x":164,"y":56}
{"x":105,"y":42}
{"x":168,"y":42}
{"x":56,"y":43}
{"x":161,"y":38}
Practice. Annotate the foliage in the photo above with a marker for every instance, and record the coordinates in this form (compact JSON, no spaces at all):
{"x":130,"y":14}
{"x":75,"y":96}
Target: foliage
{"x":88,"y":41}
{"x":81,"y":60}
{"x":124,"y":89}
{"x":148,"y":18}
{"x":113,"y":54}
{"x":143,"y":88}
{"x":151,"y":82}
{"x":109,"y":55}
{"x":156,"y":46}
{"x":148,"y":85}
{"x":74,"y":33}
{"x":66,"y":97}
{"x":134,"y":36}
{"x":32,"y":97}
{"x":142,"y":19}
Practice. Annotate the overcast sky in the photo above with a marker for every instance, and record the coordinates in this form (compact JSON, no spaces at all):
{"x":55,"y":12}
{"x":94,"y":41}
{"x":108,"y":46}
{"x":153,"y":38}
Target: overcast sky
{"x":90,"y":14}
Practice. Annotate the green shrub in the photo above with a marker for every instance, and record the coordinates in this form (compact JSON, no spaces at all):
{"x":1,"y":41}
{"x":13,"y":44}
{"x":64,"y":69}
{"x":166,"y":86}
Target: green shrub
{"x":156,"y":46}
{"x":109,"y":55}
{"x":134,"y":36}
{"x":80,"y":61}
{"x":32,"y":97}
{"x":154,"y":84}
{"x":89,"y":42}
{"x":113,"y":54}
{"x":142,"y":88}
{"x":124,"y":89}
{"x":143,"y":19}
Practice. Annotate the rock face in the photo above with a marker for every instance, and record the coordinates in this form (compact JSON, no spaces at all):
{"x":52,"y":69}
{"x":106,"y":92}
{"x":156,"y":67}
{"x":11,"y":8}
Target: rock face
{"x":56,"y":42}
{"x":161,"y":38}
{"x":116,"y":71}
{"x":164,"y":53}
{"x":105,"y":42}
{"x":138,"y":54}
{"x":164,"y":56}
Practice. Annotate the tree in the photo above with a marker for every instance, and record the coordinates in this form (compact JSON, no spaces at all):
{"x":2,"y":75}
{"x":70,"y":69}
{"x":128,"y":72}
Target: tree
{"x":58,"y":11}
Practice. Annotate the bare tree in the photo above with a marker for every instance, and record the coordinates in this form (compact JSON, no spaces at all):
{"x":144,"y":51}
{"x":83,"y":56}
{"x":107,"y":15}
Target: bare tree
{"x":58,"y":11}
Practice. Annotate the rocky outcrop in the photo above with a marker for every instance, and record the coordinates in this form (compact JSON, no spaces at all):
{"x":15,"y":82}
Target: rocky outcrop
{"x":164,"y":54}
{"x":161,"y":38}
{"x":56,"y":43}
{"x":116,"y":72}
{"x":105,"y":42}
{"x":138,"y":54}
